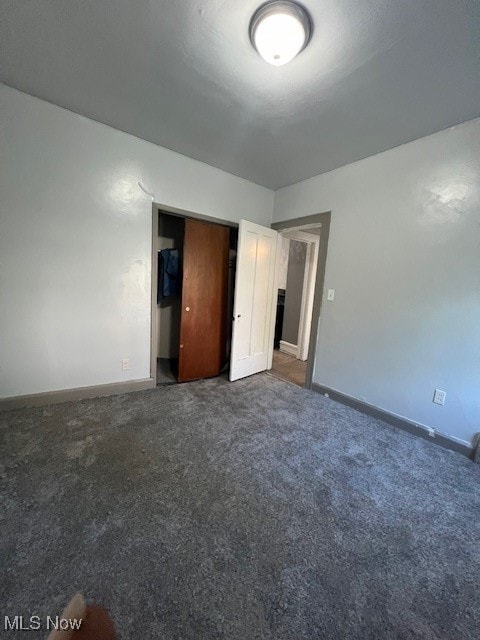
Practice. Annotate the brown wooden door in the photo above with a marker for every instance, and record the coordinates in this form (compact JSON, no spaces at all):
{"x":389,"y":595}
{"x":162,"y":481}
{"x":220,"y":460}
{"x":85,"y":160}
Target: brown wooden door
{"x":203,"y":325}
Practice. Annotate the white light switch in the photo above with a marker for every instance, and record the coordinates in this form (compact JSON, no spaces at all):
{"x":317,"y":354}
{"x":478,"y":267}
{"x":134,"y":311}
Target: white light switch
{"x":439,"y":396}
{"x":331,"y":294}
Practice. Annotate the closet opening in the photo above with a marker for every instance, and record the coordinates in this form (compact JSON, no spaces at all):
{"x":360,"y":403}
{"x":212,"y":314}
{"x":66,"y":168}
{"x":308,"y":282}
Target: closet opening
{"x":193,"y":279}
{"x":169,"y":295}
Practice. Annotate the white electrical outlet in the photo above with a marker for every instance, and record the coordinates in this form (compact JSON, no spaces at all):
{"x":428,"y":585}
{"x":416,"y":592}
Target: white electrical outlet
{"x":439,"y":397}
{"x":126,"y":364}
{"x":331,"y":295}
{"x":431,"y":432}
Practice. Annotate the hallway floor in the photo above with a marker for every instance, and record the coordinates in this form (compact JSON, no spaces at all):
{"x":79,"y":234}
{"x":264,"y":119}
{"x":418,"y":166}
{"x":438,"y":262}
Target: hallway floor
{"x":288,"y":368}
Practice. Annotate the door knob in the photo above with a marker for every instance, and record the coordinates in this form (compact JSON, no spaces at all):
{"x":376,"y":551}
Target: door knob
{"x":187,"y":308}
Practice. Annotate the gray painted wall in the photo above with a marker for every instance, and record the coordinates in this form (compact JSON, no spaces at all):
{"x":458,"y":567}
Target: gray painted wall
{"x":283,"y":263}
{"x":404,"y":259}
{"x":293,"y":293}
{"x":76,"y":242}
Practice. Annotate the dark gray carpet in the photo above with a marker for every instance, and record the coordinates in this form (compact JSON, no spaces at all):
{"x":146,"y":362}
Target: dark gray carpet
{"x":239,"y":511}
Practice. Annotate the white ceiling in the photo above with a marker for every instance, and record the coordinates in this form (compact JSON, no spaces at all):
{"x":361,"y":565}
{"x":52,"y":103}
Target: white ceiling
{"x":183,"y":74}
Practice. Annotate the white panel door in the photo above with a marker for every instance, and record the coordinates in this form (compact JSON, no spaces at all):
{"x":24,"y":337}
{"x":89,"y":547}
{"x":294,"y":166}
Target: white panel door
{"x":255,"y":300}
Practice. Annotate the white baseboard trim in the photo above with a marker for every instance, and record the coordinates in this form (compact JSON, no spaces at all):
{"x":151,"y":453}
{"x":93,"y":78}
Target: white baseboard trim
{"x":291,"y":349}
{"x":79,"y":393}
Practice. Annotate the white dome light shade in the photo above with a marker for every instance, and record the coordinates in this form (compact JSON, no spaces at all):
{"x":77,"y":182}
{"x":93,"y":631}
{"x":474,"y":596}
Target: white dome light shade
{"x":279,"y":31}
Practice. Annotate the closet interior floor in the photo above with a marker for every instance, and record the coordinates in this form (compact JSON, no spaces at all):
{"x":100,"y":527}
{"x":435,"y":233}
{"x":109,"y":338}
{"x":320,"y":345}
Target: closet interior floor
{"x":165,"y":368}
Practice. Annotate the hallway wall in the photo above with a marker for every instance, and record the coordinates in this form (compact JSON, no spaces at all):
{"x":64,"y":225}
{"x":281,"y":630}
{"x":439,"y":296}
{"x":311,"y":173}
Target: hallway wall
{"x":293,"y":294}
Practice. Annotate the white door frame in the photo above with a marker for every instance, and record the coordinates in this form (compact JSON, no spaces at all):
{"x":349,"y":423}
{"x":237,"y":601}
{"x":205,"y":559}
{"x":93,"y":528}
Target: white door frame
{"x":311,"y":261}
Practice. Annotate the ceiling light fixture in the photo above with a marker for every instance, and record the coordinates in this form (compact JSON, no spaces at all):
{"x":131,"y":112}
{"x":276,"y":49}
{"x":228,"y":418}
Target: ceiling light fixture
{"x":279,"y":31}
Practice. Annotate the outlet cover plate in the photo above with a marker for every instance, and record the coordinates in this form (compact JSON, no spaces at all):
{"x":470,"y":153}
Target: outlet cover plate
{"x":439,"y":397}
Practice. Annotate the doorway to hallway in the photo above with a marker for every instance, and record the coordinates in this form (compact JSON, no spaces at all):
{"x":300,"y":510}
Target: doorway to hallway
{"x":300,"y":270}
